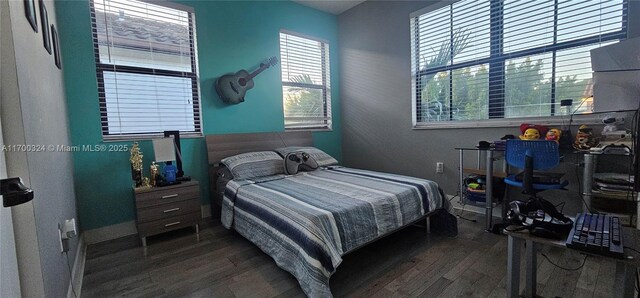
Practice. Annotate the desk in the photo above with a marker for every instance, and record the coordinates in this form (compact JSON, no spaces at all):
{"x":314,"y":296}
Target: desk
{"x":489,"y":174}
{"x":625,"y":268}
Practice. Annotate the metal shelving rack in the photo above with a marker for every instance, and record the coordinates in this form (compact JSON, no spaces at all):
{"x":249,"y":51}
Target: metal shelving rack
{"x":590,"y":162}
{"x":487,"y":169}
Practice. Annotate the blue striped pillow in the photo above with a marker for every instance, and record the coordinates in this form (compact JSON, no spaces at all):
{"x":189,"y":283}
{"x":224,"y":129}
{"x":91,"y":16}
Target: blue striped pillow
{"x":323,"y":159}
{"x":254,"y":164}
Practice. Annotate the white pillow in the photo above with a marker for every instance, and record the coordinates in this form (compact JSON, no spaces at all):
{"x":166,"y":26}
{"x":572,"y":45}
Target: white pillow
{"x":254,"y":164}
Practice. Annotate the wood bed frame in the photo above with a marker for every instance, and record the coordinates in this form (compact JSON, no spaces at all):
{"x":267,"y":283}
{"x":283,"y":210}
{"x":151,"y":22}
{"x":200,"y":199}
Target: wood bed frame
{"x":222,"y":146}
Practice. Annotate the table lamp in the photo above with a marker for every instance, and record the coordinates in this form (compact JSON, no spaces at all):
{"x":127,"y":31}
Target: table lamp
{"x":164,"y":152}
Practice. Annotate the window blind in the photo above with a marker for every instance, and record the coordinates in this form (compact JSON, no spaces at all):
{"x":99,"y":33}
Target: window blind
{"x":146,"y":68}
{"x":475,"y":60}
{"x":305,"y":82}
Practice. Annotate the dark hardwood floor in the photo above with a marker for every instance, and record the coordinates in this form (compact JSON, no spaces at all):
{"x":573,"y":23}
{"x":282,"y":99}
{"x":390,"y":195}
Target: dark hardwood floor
{"x":408,"y":263}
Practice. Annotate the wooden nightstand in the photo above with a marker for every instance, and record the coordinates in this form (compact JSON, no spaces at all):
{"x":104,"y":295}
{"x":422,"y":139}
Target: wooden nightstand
{"x":163,"y":209}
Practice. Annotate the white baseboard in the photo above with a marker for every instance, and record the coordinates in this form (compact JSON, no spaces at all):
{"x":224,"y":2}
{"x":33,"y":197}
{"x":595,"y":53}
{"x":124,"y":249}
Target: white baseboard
{"x":110,"y":232}
{"x":77,"y":274}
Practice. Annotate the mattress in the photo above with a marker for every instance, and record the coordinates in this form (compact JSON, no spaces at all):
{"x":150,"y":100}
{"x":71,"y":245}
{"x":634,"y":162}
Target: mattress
{"x":307,"y":222}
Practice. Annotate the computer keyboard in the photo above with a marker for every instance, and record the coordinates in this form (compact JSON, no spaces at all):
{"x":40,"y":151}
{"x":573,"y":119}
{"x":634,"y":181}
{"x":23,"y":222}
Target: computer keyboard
{"x":598,"y":234}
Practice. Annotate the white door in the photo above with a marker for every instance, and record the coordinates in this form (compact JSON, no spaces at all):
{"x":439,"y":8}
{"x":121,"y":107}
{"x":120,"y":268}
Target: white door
{"x":9,"y":280}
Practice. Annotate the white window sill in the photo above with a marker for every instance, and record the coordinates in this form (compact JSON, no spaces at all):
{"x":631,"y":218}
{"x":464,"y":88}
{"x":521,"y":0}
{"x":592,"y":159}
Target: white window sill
{"x":146,"y":137}
{"x":511,"y":122}
{"x":312,"y":129}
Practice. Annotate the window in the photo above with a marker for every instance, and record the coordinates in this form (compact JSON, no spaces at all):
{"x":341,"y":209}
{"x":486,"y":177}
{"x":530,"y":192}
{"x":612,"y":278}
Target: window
{"x":306,"y":93}
{"x":146,"y":68}
{"x":477,"y":60}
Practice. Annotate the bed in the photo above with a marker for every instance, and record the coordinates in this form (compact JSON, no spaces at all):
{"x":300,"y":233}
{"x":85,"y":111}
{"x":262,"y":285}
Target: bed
{"x":308,"y":221}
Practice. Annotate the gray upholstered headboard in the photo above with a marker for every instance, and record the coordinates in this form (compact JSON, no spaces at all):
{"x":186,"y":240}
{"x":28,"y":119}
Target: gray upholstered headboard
{"x":221,"y":146}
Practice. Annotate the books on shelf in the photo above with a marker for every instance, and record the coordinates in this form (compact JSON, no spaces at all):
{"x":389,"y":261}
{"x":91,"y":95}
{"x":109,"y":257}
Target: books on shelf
{"x":613,"y":193}
{"x":614,"y":186}
{"x":614,"y":178}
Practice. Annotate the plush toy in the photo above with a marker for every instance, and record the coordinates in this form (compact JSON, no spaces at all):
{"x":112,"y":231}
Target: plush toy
{"x":553,"y":135}
{"x":613,"y":125}
{"x":584,"y":138}
{"x":532,"y":131}
{"x":530,"y":134}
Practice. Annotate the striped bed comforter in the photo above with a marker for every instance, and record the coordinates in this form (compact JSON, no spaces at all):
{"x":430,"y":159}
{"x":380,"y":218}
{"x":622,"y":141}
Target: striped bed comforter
{"x":306,"y":222}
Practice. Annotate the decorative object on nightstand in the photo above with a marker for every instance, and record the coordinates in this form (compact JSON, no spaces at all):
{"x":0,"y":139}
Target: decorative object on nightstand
{"x":153,"y":171}
{"x":164,"y":209}
{"x":175,"y":135}
{"x":136,"y":164}
{"x":146,"y":182}
{"x":165,"y":152}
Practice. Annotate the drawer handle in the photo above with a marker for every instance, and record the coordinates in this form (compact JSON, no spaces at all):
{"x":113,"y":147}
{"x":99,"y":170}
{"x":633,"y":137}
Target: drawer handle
{"x":171,"y":210}
{"x":172,"y":224}
{"x":170,"y":196}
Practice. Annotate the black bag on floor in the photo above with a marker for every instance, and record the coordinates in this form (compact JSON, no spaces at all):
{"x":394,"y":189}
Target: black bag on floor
{"x":443,"y":222}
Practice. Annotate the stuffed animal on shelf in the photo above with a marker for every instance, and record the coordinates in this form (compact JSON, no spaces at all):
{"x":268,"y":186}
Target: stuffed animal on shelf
{"x":532,"y":131}
{"x":553,"y":134}
{"x":584,"y":138}
{"x":530,"y":134}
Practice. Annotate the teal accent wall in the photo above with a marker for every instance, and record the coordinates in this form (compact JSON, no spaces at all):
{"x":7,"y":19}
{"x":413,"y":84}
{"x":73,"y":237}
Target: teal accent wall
{"x":231,"y":35}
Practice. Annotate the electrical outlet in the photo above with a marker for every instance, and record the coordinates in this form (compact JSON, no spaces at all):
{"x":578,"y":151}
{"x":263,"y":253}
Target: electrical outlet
{"x":66,"y":231}
{"x":439,"y":167}
{"x":69,"y":229}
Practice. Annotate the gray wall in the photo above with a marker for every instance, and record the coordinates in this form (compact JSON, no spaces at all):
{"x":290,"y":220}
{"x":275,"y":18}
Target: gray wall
{"x":34,"y":113}
{"x":374,"y":41}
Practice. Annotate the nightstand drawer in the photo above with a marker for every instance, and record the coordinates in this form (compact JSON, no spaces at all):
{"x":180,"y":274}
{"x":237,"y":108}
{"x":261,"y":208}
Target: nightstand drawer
{"x":168,"y":224}
{"x":160,"y":197}
{"x":168,"y":210}
{"x":164,"y":209}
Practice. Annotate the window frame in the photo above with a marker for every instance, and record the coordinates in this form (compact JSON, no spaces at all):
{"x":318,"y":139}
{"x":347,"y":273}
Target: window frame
{"x":496,"y":61}
{"x":326,"y":79}
{"x":193,"y":76}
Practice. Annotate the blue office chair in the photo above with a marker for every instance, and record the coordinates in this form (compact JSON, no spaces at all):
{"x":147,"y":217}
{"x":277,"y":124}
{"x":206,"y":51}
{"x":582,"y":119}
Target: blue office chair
{"x":530,"y":156}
